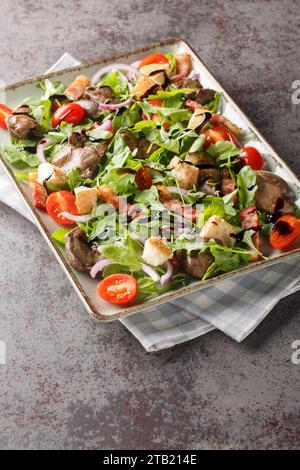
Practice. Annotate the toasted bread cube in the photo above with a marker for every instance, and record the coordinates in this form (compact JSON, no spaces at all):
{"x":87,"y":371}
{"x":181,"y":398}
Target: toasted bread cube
{"x":86,"y":199}
{"x":220,"y":230}
{"x":156,"y":252}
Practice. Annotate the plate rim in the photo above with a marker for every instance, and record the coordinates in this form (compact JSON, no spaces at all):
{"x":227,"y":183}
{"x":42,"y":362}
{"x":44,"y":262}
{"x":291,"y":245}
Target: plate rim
{"x":196,"y":286}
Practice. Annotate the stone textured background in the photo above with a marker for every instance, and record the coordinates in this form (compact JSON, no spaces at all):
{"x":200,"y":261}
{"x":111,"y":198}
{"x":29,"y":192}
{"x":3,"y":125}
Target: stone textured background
{"x":70,"y":383}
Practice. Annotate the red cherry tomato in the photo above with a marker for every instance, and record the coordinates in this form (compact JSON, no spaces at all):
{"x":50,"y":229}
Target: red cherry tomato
{"x":4,"y":113}
{"x":118,"y":289}
{"x":61,"y":201}
{"x":143,"y":178}
{"x":72,"y":113}
{"x":216,"y":134}
{"x":250,"y":156}
{"x":285,"y":231}
{"x":156,"y":58}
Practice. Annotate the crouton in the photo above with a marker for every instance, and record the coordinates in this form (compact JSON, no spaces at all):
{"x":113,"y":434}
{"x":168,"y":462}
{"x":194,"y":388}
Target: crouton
{"x":86,"y":199}
{"x":220,"y":230}
{"x":156,"y":252}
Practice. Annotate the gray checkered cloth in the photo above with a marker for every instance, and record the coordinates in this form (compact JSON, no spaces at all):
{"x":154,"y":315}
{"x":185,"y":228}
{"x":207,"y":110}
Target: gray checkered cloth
{"x":235,"y":306}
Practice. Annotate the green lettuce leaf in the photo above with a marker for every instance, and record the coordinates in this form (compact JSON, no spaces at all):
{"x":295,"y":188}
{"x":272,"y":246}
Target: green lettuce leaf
{"x":129,"y":253}
{"x":60,"y":235}
{"x":246,"y":181}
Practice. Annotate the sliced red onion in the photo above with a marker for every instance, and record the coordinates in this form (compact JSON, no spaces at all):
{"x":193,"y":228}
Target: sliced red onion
{"x":99,"y":266}
{"x":166,"y":278}
{"x":107,"y":68}
{"x":151,"y":272}
{"x":106,"y":126}
{"x":175,"y":189}
{"x":45,"y":142}
{"x":135,"y":64}
{"x":113,"y":107}
{"x":137,"y":236}
{"x":77,"y":218}
{"x":194,"y":75}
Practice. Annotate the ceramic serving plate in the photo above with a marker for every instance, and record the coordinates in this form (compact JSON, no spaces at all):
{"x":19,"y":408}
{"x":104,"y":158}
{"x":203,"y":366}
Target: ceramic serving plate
{"x":83,"y":284}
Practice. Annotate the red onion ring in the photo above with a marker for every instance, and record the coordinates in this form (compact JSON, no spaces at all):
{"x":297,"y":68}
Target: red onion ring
{"x":137,"y":236}
{"x":77,"y":218}
{"x":194,"y":75}
{"x":151,"y":272}
{"x":174,"y":189}
{"x":106,"y":125}
{"x":166,"y":278}
{"x":129,"y":68}
{"x":113,"y":107}
{"x":99,"y":266}
{"x":41,"y":146}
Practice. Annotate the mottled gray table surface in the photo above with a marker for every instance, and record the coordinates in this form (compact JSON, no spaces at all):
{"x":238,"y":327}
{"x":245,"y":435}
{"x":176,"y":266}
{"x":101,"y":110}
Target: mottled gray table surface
{"x":70,"y":383}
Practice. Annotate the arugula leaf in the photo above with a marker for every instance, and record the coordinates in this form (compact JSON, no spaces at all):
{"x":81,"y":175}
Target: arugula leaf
{"x":22,"y":175}
{"x":60,"y":235}
{"x":127,"y":118}
{"x":147,"y":197}
{"x":149,"y":289}
{"x":197,"y":144}
{"x":247,"y":238}
{"x":50,"y":88}
{"x":212,"y":206}
{"x":121,"y":180}
{"x":226,"y":259}
{"x":214,"y":104}
{"x":129,"y":253}
{"x":162,"y":94}
{"x":142,"y":125}
{"x":172,"y":60}
{"x":104,"y":226}
{"x":223,"y":151}
{"x":19,"y":158}
{"x":99,"y":134}
{"x":246,"y":181}
{"x":116,"y":81}
{"x":175,"y":114}
{"x":73,"y":178}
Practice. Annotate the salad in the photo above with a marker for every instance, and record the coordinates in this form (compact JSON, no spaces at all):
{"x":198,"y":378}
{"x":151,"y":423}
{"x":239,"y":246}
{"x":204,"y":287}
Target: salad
{"x":151,"y":186}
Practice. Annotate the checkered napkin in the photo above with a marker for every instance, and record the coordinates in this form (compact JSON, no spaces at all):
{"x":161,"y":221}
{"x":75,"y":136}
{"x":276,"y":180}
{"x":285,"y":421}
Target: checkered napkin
{"x":235,"y":306}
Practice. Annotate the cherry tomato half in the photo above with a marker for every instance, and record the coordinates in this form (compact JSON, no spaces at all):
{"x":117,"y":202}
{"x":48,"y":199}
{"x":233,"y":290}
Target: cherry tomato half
{"x":72,"y":113}
{"x":250,"y":156}
{"x":4,"y":113}
{"x":156,"y":58}
{"x":216,"y":134}
{"x":61,"y":201}
{"x":118,"y":289}
{"x":285,"y":231}
{"x":143,"y":178}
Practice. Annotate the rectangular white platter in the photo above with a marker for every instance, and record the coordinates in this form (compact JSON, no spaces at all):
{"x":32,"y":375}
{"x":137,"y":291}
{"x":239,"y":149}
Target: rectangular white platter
{"x":83,"y":284}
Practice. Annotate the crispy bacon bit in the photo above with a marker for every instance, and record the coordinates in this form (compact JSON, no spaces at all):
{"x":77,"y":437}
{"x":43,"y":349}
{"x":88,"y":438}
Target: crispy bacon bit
{"x":220,"y":119}
{"x":77,"y":87}
{"x":39,"y":195}
{"x":227,"y":185}
{"x":108,"y":195}
{"x":258,"y":243}
{"x":191,"y":104}
{"x":175,"y":205}
{"x":249,"y":218}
